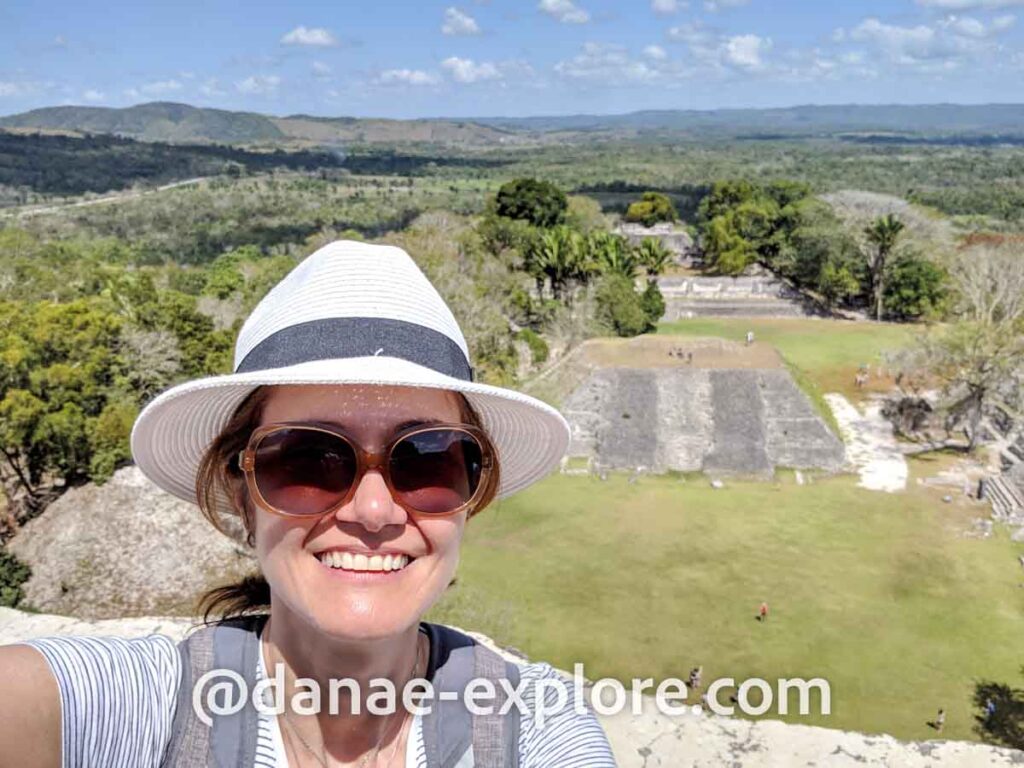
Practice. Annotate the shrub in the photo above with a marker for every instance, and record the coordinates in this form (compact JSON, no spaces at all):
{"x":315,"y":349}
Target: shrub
{"x":651,"y":208}
{"x":539,"y":202}
{"x":619,"y":307}
{"x":653,"y":303}
{"x":13,"y":573}
{"x":538,"y":347}
{"x":914,"y":288}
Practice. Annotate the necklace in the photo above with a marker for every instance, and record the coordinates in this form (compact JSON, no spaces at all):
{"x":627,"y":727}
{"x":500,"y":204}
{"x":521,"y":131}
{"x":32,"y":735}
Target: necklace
{"x":322,"y":757}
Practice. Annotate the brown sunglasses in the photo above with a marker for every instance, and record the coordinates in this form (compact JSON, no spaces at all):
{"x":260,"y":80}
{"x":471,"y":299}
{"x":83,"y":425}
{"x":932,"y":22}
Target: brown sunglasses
{"x":305,"y":469}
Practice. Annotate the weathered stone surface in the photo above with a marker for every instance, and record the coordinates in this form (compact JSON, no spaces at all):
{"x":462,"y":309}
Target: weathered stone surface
{"x":648,"y":739}
{"x":684,"y":411}
{"x":795,"y":434}
{"x":739,"y":434}
{"x":125,"y":548}
{"x":744,"y":296}
{"x":722,"y":421}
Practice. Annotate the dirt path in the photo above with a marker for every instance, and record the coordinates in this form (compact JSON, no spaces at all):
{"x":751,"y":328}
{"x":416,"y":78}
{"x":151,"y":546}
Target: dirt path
{"x":118,"y":197}
{"x":870,"y":446}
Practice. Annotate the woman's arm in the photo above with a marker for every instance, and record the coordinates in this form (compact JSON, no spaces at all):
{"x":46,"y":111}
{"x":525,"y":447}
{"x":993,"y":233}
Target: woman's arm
{"x":114,"y":702}
{"x":29,"y":710}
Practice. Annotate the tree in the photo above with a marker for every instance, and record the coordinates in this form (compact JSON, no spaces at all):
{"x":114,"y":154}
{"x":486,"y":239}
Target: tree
{"x":978,"y":359}
{"x":915,"y":288}
{"x":613,"y":254}
{"x":539,"y":202}
{"x":835,"y":283}
{"x":651,"y":208}
{"x":620,"y":307}
{"x":653,"y":255}
{"x":882,"y":234}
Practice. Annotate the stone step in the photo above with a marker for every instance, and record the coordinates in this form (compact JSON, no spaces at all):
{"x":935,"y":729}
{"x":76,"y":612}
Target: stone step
{"x":734,"y":308}
{"x":1005,"y":498}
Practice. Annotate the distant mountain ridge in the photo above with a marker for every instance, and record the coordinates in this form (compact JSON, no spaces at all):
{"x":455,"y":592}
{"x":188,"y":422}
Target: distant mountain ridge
{"x":938,"y":118}
{"x":173,"y":122}
{"x":182,"y":123}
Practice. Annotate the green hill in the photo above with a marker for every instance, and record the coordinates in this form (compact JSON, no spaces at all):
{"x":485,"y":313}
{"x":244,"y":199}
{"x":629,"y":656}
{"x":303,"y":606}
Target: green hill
{"x":157,"y":121}
{"x":180,"y":123}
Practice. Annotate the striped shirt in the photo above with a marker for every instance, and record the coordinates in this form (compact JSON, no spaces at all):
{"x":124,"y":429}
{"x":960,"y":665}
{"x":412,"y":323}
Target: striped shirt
{"x":118,"y":697}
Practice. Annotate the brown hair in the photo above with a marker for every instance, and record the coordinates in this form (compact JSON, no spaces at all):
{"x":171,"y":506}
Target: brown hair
{"x":219,"y":474}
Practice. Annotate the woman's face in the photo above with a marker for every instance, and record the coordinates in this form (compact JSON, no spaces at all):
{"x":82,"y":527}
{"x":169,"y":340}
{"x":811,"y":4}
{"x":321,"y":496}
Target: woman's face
{"x":349,"y":602}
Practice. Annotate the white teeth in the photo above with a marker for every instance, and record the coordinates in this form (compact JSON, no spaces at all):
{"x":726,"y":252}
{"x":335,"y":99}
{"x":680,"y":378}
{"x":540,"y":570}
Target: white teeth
{"x":360,"y":562}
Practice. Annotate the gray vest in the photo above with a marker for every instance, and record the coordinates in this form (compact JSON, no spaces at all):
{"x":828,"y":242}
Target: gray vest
{"x":452,"y":735}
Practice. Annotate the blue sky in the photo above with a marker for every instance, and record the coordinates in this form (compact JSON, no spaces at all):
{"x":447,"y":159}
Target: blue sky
{"x":419,"y":58}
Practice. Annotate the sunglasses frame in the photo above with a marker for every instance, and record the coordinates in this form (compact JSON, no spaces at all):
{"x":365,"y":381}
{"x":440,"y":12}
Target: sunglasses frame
{"x":366,"y":460}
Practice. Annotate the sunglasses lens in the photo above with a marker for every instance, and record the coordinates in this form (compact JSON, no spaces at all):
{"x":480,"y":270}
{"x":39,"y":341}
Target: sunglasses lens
{"x":304,"y":471}
{"x":437,"y":470}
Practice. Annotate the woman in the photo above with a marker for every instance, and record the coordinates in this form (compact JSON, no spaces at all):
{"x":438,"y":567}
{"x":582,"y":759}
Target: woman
{"x":353,"y":445}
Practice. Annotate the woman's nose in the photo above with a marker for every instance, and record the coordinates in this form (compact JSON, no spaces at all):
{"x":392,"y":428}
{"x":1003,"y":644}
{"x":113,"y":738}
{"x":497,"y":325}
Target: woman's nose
{"x":372,"y":506}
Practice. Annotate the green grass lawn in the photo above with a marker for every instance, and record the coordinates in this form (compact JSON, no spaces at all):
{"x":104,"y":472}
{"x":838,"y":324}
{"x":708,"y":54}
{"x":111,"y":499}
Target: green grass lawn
{"x":878,"y":593}
{"x":826,"y":352}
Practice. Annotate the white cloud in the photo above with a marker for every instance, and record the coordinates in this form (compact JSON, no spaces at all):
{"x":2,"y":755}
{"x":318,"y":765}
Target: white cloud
{"x":131,"y":93}
{"x":316,"y":37}
{"x":211,"y":87}
{"x":458,"y":22}
{"x":713,"y":6}
{"x":60,"y":41}
{"x":838,"y":35}
{"x":940,"y":47}
{"x":159,"y":87}
{"x":970,"y":5}
{"x":259,"y":85}
{"x":745,"y":51}
{"x":723,"y":52}
{"x":407,"y":77}
{"x":321,"y":71}
{"x":655,"y":52}
{"x":468,"y":71}
{"x":668,"y":7}
{"x":566,"y":11}
{"x":1001,"y":23}
{"x":93,"y":95}
{"x":606,"y":63}
{"x":693,"y":34}
{"x":9,"y":89}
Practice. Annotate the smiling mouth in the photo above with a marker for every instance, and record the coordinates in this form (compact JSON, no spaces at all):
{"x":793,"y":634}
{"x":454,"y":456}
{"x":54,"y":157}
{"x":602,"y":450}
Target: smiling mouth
{"x":358,"y":562}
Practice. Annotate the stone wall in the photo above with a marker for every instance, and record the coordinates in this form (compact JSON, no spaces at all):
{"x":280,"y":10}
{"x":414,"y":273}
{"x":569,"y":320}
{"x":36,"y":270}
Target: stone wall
{"x":724,"y":421}
{"x":649,"y":739}
{"x":744,"y":296}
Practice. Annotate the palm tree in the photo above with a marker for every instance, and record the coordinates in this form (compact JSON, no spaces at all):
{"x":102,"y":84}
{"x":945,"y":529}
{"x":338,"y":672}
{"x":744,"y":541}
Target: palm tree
{"x":555,"y":258}
{"x":613,"y":254}
{"x":882,"y":233}
{"x":653,"y":255}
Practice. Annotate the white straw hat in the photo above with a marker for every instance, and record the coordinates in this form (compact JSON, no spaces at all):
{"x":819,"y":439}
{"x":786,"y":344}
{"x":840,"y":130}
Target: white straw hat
{"x":351,"y":312}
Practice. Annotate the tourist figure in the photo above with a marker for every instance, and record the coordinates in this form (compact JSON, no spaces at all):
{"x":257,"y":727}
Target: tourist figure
{"x":762,"y":612}
{"x":689,"y":358}
{"x":940,"y":720}
{"x":750,"y":338}
{"x":990,"y":709}
{"x":695,"y":676}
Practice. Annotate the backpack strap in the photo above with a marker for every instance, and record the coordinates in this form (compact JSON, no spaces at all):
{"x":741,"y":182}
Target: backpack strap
{"x":231,"y":740}
{"x":454,"y":737}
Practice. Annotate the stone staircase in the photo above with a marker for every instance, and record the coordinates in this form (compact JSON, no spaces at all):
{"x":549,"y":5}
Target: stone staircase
{"x":744,"y":296}
{"x":1006,"y":499}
